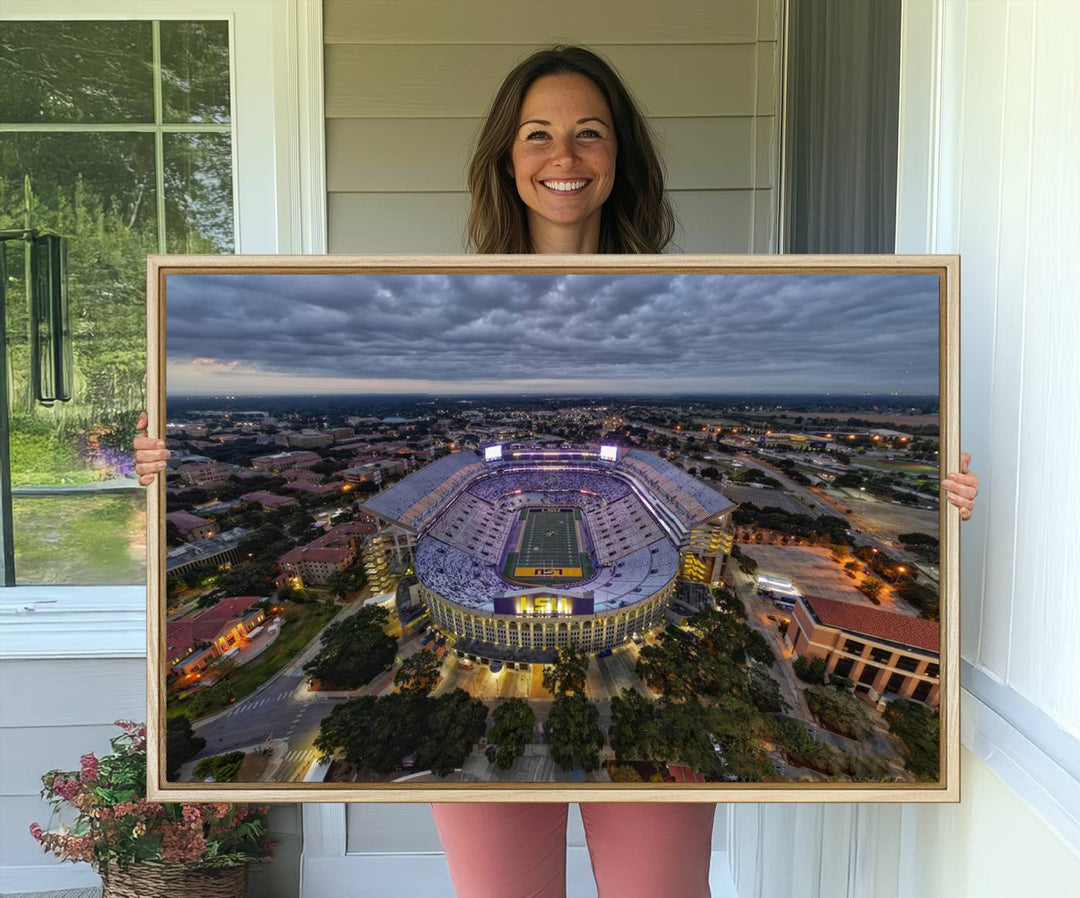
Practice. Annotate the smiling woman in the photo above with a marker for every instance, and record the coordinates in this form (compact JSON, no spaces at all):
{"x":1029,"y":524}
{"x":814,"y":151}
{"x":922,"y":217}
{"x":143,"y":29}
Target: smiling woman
{"x":560,"y":118}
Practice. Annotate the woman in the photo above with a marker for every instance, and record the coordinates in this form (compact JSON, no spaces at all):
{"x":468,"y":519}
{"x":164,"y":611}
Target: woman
{"x":565,"y":164}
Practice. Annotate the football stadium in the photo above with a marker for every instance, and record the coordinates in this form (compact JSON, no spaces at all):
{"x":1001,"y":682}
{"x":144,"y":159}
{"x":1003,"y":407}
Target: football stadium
{"x":521,"y":549}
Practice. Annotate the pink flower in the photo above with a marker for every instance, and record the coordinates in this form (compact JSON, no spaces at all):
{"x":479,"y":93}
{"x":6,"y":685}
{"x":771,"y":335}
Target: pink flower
{"x":191,"y":813}
{"x":89,"y":768}
{"x":181,"y":842}
{"x":37,"y":832}
{"x":65,"y":788}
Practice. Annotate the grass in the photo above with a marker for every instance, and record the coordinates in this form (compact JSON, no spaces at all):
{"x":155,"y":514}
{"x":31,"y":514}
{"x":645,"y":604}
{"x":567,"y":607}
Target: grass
{"x":906,"y":467}
{"x":243,"y":681}
{"x":81,"y":539}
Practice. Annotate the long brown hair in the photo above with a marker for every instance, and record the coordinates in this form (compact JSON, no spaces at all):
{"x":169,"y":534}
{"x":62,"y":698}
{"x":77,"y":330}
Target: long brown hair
{"x":636,"y":218}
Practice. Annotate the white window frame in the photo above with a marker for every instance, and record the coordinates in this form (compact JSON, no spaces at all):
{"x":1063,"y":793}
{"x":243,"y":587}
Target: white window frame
{"x":276,"y":59}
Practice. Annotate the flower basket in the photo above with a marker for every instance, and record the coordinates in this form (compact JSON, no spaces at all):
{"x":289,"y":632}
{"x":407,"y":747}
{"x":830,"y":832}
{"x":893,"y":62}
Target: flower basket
{"x":149,"y":849}
{"x":174,"y":881}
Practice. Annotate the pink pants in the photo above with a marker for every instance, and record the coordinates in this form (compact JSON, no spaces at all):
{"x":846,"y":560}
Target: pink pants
{"x":638,"y":849}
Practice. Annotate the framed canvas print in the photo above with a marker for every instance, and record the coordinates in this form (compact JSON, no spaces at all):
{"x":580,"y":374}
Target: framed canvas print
{"x":585,"y":528}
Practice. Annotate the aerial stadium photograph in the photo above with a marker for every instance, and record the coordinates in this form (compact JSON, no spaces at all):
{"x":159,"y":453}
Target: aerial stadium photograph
{"x":641,"y":529}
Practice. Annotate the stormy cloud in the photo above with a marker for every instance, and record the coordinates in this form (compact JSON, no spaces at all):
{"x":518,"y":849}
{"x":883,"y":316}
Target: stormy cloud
{"x":521,"y":333}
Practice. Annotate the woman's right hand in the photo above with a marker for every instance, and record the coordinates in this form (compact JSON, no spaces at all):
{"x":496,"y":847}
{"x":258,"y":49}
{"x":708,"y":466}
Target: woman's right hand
{"x":150,"y":454}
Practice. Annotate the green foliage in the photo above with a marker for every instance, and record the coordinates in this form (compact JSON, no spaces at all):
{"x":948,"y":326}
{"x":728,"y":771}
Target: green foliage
{"x":623,"y":773}
{"x":513,"y":726}
{"x":354,"y":650}
{"x":223,"y":768}
{"x":727,"y":600}
{"x":573,"y":730}
{"x":844,"y":684}
{"x":454,"y":722}
{"x":839,"y":711}
{"x":871,"y":587}
{"x":634,"y":731}
{"x":376,"y":732}
{"x":765,"y":691}
{"x":809,"y":670}
{"x":793,"y":740}
{"x":418,"y":673}
{"x":925,"y":598}
{"x":567,"y":674}
{"x":181,"y":744}
{"x":135,"y":830}
{"x":919,"y":729}
{"x":917,"y":539}
{"x":827,"y":526}
{"x":350,"y":580}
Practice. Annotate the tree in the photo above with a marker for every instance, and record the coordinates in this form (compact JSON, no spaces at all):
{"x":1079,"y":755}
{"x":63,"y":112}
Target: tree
{"x":839,"y":711}
{"x":514,"y":721}
{"x":634,"y":731}
{"x":809,"y":670}
{"x":727,"y":600}
{"x":181,"y":744}
{"x":567,"y":674}
{"x":840,"y":551}
{"x":373,"y":732}
{"x":919,"y":729}
{"x":418,"y":673}
{"x":355,"y":649}
{"x":223,"y":768}
{"x":573,"y":730}
{"x":455,"y":721}
{"x":710,"y":473}
{"x":765,"y":691}
{"x":247,"y":580}
{"x":922,"y":597}
{"x":350,"y":579}
{"x":918,"y":539}
{"x":872,"y":588}
{"x":624,"y":773}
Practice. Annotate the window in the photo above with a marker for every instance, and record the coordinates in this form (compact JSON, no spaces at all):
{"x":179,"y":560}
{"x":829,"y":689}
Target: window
{"x":895,"y":684}
{"x":117,"y":136}
{"x":843,"y":667}
{"x":906,"y":662}
{"x":852,"y":647}
{"x":920,"y":692}
{"x":881,"y":656}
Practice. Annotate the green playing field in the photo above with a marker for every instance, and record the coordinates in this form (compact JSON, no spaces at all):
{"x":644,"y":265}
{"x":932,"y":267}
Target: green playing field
{"x":548,"y":549}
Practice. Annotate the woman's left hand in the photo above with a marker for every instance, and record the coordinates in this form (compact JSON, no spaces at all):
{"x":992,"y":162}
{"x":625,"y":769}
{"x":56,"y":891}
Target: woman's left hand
{"x":962,"y":488}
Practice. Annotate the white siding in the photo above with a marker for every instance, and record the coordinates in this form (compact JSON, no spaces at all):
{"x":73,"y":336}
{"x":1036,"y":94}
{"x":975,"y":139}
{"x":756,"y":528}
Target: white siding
{"x":989,"y":143}
{"x":408,"y":82}
{"x":83,"y":698}
{"x":1009,"y":202}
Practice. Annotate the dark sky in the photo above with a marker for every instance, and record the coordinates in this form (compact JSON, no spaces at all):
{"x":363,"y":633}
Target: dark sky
{"x":523,"y":333}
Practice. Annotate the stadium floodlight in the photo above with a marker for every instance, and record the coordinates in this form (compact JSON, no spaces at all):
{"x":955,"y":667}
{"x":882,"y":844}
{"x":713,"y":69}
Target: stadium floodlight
{"x":493,"y":453}
{"x":609,"y":453}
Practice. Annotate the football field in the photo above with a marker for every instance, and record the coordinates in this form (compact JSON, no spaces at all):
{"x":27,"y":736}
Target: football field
{"x":548,"y":549}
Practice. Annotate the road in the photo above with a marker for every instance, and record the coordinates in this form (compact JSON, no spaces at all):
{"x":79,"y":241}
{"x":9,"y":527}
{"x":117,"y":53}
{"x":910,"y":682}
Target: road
{"x":283,"y":709}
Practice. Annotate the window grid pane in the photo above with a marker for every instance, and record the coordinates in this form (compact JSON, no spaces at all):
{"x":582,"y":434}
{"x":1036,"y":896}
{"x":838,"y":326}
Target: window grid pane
{"x":111,"y":181}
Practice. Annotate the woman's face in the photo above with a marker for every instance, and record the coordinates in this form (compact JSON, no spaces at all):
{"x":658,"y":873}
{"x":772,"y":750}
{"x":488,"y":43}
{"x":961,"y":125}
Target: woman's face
{"x":563,"y":154}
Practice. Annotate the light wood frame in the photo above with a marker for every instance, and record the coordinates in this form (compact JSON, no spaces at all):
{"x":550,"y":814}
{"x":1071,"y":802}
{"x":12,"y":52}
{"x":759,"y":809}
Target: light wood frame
{"x":946,"y":267}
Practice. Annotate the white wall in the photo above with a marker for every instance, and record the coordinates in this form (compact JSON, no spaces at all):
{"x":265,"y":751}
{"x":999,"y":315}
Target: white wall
{"x":989,"y":150}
